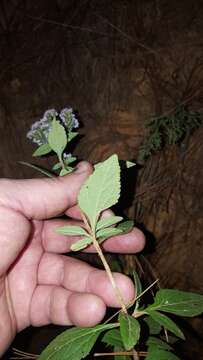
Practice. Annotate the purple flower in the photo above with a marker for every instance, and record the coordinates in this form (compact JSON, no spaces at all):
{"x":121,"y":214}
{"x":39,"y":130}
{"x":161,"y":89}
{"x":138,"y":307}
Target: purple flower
{"x":40,"y":129}
{"x":49,"y":115}
{"x":69,"y":119}
{"x":67,"y":155}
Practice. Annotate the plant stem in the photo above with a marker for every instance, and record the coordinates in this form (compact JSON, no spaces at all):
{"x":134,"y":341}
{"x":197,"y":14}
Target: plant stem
{"x":61,"y":162}
{"x":122,"y":353}
{"x":106,"y":265}
{"x":139,"y":313}
{"x":109,"y":273}
{"x":23,"y":355}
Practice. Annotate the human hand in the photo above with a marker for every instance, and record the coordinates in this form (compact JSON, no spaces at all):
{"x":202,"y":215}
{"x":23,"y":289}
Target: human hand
{"x":39,"y":286}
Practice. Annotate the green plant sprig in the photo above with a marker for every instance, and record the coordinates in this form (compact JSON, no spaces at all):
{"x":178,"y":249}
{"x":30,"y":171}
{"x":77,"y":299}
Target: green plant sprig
{"x":99,"y":192}
{"x":53,"y":133}
{"x":169,"y":129}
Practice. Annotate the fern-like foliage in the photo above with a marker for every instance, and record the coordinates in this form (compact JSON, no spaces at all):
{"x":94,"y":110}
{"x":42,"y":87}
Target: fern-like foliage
{"x":169,"y":130}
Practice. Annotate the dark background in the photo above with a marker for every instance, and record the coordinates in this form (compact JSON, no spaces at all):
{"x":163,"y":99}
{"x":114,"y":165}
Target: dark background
{"x":116,"y":63}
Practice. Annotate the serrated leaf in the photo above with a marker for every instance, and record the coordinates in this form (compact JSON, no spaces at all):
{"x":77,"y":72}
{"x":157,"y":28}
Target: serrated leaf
{"x":81,"y":244}
{"x":154,"y":327}
{"x":103,"y":223}
{"x":158,"y":354}
{"x":101,"y":190}
{"x":42,"y":150}
{"x":72,"y":230}
{"x":138,"y":287}
{"x":57,"y":138}
{"x":129,"y":329}
{"x":166,"y":322}
{"x":113,"y":338}
{"x":178,"y":302}
{"x":160,"y":344}
{"x":126,"y":226}
{"x":38,"y":168}
{"x":73,"y":344}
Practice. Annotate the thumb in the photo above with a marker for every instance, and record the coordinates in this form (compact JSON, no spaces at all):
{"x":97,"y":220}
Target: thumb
{"x":44,"y":198}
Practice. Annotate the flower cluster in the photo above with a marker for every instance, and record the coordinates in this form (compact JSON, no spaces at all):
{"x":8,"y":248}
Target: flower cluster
{"x":40,"y":129}
{"x":68,"y":119}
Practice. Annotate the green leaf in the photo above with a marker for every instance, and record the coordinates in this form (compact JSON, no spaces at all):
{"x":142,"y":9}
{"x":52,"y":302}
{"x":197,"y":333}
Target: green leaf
{"x":160,"y":344}
{"x":103,"y":223}
{"x":101,"y":190}
{"x":72,"y":135}
{"x":81,"y":244}
{"x":42,"y":150}
{"x":108,"y":232}
{"x":172,"y":339}
{"x":57,"y":138}
{"x":154,"y":327}
{"x":69,"y":160}
{"x":178,"y":302}
{"x":74,"y":344}
{"x":66,"y":171}
{"x":126,"y":226}
{"x":165,"y":321}
{"x":158,"y":354}
{"x":113,"y":338}
{"x":129,"y":329}
{"x":57,"y":166}
{"x":130,"y":164}
{"x":71,"y":230}
{"x":103,"y":238}
{"x":38,"y":168}
{"x":138,"y":287}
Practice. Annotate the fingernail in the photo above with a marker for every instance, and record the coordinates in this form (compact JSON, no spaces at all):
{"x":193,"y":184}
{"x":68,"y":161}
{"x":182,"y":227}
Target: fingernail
{"x":107,"y":214}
